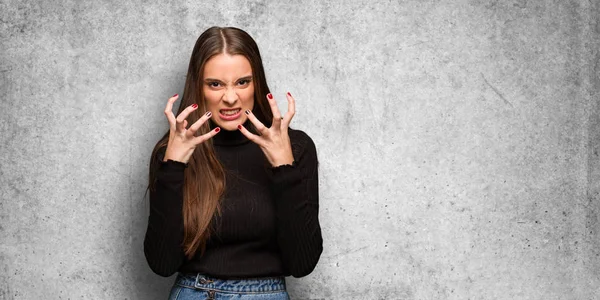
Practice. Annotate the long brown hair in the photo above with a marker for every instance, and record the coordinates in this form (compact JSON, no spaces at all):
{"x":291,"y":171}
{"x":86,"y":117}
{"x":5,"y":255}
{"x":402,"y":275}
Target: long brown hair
{"x":204,"y":178}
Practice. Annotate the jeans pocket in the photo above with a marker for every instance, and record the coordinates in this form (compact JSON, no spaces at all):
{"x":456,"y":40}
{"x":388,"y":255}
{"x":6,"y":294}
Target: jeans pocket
{"x":175,"y":290}
{"x":267,"y":296}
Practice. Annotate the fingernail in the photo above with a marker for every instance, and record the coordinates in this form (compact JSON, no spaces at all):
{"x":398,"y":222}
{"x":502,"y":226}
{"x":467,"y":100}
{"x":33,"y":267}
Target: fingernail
{"x":270,"y":96}
{"x":247,"y":111}
{"x":240,"y":127}
{"x":217,"y":129}
{"x":289,"y":94}
{"x":208,"y":114}
{"x":175,"y":95}
{"x":194,"y":105}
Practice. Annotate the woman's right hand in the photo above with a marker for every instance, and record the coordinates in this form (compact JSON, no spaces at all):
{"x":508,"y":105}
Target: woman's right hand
{"x":182,"y":141}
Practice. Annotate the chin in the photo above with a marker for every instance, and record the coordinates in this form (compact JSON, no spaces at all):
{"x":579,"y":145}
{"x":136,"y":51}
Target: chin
{"x":229,"y":125}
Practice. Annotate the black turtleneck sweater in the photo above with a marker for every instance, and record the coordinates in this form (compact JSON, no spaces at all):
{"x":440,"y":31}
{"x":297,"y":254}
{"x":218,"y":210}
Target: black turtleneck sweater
{"x":269,"y":224}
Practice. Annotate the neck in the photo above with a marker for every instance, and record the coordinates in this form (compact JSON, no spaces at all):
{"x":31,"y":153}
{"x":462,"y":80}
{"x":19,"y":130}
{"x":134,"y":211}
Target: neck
{"x":229,"y":138}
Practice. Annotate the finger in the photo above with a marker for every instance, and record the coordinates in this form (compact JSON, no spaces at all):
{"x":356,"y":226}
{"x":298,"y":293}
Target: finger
{"x":290,"y":113}
{"x":192,"y":130}
{"x":276,"y":114}
{"x":183,"y":115}
{"x":201,"y":139}
{"x":257,"y":123}
{"x":185,"y":122}
{"x":169,"y":111}
{"x":251,"y":136}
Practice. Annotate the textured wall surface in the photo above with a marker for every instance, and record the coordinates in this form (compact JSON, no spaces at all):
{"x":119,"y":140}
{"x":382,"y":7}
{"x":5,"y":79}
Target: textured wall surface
{"x":458,"y":141}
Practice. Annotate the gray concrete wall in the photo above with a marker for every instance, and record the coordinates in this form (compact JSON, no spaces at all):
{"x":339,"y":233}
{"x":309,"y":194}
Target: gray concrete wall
{"x":458,"y":142}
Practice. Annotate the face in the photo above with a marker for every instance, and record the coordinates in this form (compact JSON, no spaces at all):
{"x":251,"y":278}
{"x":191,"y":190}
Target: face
{"x":228,"y":89}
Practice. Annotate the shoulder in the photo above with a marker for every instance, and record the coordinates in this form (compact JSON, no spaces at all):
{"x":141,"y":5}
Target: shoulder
{"x":302,"y":143}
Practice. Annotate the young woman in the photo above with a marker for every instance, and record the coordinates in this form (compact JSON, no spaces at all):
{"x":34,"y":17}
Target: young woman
{"x":234,"y":198}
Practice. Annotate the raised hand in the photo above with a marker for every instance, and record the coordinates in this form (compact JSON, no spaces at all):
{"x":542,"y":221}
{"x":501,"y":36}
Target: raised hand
{"x":182,"y":141}
{"x":274,"y":141}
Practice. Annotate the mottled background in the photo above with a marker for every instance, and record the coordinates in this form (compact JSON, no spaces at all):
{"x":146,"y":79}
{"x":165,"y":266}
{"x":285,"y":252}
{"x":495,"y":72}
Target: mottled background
{"x":458,"y":141}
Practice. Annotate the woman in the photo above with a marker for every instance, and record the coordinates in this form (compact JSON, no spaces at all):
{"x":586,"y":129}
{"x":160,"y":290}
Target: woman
{"x":233,"y":197}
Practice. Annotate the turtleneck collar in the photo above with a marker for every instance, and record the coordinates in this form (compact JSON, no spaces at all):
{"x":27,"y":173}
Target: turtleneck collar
{"x":229,"y":138}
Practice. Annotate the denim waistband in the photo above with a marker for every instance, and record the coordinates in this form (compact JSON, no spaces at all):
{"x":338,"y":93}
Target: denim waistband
{"x":246,"y":285}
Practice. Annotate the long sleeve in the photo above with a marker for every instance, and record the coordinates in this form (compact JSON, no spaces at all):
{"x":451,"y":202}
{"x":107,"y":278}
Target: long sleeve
{"x":164,"y":235}
{"x":296,"y":195}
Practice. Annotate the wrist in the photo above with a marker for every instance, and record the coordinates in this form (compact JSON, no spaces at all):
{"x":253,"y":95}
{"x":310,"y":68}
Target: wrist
{"x":277,"y":167}
{"x":287,"y":159}
{"x":290,"y":163}
{"x":282,"y":162}
{"x":178,"y":157}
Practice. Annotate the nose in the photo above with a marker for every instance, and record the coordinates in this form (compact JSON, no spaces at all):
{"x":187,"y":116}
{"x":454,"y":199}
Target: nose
{"x":230,"y":96}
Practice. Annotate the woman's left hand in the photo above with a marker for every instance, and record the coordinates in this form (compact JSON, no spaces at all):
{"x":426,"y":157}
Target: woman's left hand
{"x":274,"y":141}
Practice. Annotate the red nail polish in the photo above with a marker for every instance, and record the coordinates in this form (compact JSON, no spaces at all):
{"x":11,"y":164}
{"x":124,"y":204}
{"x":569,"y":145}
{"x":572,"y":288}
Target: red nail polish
{"x":240,"y":127}
{"x":194,"y":105}
{"x":175,"y":95}
{"x":217,"y":129}
{"x":247,"y":111}
{"x":270,"y":96}
{"x":289,"y":94}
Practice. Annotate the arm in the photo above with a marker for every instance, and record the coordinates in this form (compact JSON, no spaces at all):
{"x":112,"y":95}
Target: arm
{"x":295,"y":191}
{"x":164,"y":235}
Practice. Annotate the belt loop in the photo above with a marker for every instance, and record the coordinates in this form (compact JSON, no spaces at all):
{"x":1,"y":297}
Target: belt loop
{"x":201,"y":279}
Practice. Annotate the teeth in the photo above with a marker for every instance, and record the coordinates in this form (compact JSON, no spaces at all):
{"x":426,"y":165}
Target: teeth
{"x":230,"y":112}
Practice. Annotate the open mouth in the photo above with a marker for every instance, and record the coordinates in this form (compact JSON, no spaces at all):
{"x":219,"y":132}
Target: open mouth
{"x":230,"y":114}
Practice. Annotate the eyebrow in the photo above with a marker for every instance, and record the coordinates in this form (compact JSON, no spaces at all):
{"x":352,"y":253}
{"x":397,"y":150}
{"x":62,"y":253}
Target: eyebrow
{"x":212,"y":79}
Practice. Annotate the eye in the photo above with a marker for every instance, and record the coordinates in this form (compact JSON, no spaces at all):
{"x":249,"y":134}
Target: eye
{"x":243,"y":82}
{"x":213,"y":84}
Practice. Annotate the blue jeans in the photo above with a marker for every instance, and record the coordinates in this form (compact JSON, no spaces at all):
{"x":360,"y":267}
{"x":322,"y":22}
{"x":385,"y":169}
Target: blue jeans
{"x":200,"y":287}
